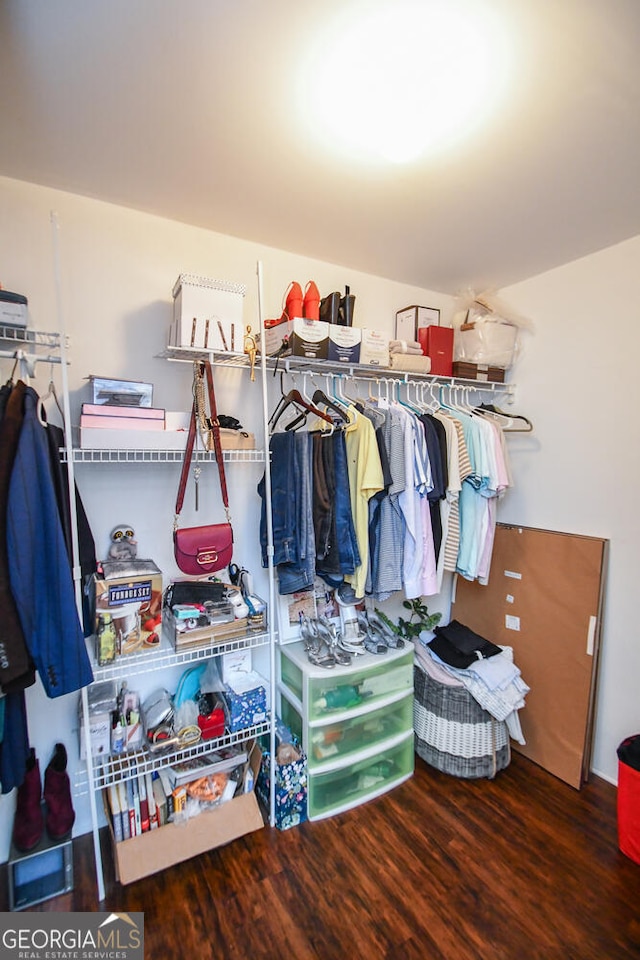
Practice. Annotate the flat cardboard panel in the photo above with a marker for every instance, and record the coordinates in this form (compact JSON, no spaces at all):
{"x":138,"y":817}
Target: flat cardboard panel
{"x":544,"y":599}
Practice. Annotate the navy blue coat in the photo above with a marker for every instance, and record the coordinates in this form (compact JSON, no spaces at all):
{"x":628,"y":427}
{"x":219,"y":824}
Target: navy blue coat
{"x":41,"y":580}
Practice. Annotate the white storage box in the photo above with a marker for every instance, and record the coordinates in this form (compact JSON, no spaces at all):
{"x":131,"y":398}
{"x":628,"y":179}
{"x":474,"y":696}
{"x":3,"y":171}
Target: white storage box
{"x":13,"y":309}
{"x":344,"y":344}
{"x":207,"y":314}
{"x":374,"y":348}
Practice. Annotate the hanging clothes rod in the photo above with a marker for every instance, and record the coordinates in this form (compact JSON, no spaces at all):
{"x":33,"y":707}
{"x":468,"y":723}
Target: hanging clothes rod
{"x":29,"y":357}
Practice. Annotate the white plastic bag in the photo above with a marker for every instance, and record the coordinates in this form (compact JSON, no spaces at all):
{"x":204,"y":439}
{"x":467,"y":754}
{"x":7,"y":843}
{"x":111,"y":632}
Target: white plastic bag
{"x":486,"y":330}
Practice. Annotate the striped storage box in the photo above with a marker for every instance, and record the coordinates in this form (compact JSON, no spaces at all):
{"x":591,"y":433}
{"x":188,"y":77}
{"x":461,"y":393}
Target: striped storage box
{"x":453,"y":732}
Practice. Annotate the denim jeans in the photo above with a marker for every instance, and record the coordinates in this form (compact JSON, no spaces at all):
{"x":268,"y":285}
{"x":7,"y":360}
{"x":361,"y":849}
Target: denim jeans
{"x":283,"y":501}
{"x":293,"y":537}
{"x":299,"y":574}
{"x":344,"y":554}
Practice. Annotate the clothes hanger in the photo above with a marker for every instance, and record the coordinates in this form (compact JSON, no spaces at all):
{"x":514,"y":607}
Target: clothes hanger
{"x":320,"y":397}
{"x":51,"y":392}
{"x":510,"y":424}
{"x":406,"y":403}
{"x":295,"y":397}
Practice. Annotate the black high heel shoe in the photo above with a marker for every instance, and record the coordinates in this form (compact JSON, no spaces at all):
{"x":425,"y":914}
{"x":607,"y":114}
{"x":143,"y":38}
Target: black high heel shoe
{"x":345,"y":312}
{"x":330,"y":308}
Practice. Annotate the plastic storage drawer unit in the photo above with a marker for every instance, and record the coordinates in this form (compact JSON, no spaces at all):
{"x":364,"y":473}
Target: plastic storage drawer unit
{"x":355,"y":723}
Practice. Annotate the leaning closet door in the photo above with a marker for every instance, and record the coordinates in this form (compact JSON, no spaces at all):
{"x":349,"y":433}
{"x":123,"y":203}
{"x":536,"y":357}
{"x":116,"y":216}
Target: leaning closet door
{"x":544,"y":599}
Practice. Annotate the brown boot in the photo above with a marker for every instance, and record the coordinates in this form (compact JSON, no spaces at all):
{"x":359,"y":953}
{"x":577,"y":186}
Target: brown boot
{"x":57,"y":795}
{"x":28,"y":825}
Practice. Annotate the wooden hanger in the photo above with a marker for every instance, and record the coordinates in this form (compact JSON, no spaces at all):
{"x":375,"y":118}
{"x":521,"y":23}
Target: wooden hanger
{"x":296,"y":398}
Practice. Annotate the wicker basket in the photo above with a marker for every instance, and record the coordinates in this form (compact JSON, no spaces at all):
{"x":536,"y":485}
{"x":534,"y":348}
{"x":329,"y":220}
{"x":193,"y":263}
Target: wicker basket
{"x":453,"y":732}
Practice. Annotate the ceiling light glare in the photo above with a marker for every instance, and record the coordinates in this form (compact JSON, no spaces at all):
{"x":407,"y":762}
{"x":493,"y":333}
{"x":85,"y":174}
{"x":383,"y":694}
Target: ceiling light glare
{"x":394,"y":81}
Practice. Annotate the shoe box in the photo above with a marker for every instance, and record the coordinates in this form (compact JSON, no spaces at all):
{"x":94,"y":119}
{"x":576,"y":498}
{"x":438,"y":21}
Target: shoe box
{"x":437,"y":343}
{"x":478,"y":371}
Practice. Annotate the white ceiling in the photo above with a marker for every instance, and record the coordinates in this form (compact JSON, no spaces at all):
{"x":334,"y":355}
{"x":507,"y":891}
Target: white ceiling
{"x":190,"y":109}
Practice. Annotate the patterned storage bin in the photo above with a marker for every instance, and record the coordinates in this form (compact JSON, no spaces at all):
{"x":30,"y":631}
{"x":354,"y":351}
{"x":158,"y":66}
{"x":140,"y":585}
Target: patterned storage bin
{"x":453,"y":732}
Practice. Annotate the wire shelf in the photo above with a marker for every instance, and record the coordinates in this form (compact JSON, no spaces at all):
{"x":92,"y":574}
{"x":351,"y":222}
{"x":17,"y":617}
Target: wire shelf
{"x":151,"y":661}
{"x":220,"y":358}
{"x":24,"y":337}
{"x":117,"y":769}
{"x":319,"y":368}
{"x":160,"y":456}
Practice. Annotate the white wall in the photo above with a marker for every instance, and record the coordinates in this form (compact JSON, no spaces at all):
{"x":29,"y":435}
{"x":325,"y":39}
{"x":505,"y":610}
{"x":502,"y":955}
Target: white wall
{"x":578,"y":381}
{"x":575,"y":380}
{"x":118,"y":268}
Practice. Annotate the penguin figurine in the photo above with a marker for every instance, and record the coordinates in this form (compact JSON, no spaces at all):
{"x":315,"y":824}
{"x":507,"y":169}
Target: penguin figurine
{"x":124,"y":546}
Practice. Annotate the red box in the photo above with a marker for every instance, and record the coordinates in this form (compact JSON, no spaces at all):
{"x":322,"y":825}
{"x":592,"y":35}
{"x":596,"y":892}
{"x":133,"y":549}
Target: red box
{"x":212,"y":725}
{"x":437,"y":343}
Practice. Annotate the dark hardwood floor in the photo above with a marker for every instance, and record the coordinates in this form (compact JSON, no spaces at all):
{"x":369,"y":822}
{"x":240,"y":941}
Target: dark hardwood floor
{"x":519,"y":868}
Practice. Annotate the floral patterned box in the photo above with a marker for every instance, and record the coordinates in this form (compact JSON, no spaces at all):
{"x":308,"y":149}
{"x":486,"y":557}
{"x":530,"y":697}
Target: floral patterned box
{"x":290,"y":791}
{"x":246,"y":708}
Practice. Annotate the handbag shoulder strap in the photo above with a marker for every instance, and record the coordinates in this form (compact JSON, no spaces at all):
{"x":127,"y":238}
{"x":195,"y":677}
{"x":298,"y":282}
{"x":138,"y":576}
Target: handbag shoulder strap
{"x":191,"y":438}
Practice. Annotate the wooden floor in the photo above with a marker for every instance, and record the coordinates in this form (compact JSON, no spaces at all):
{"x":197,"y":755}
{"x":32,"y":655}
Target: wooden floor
{"x":440,"y":869}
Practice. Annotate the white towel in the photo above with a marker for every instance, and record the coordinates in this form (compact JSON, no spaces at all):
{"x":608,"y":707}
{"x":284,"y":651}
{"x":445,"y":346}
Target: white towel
{"x":409,"y":363}
{"x":404,"y":346}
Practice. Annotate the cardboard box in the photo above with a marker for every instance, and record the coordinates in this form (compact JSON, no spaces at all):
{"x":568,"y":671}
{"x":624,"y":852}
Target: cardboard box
{"x":437,"y":343}
{"x":14,"y":310}
{"x":173,"y":843}
{"x":100,"y":733}
{"x":229,"y":439}
{"x":309,"y":338}
{"x":374,"y":348}
{"x":235,"y":665}
{"x":411,"y":319}
{"x":344,"y":344}
{"x":207,"y":314}
{"x":276,"y":336}
{"x":119,"y":423}
{"x":173,"y":437}
{"x":122,"y":412}
{"x":97,"y":438}
{"x":131,"y":601}
{"x":478,"y":371}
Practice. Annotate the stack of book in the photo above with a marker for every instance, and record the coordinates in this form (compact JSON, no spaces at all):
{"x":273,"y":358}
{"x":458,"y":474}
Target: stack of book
{"x":150,"y":800}
{"x":138,"y":805}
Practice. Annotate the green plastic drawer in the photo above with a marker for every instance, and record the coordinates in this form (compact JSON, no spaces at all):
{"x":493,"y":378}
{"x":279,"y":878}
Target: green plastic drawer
{"x":351,"y":785}
{"x":291,"y":675}
{"x":334,"y":694}
{"x":333,"y":742}
{"x":291,"y":718}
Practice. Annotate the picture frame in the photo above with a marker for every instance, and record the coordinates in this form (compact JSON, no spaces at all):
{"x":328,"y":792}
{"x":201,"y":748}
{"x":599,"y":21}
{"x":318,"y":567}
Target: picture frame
{"x":318,"y":602}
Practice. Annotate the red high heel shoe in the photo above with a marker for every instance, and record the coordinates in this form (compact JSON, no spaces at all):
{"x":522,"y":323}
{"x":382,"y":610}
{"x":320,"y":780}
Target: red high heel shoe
{"x":311,"y":303}
{"x":293,"y":305}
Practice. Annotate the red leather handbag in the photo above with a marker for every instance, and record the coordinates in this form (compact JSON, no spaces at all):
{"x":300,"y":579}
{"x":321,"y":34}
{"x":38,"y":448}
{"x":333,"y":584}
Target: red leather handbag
{"x":206,"y":549}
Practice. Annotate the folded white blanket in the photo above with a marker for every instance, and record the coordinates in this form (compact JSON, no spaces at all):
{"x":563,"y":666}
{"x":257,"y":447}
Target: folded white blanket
{"x":404,"y":346}
{"x":410,"y":363}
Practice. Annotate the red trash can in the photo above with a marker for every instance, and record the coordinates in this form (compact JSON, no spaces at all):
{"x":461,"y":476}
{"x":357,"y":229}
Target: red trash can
{"x":629,"y":797}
